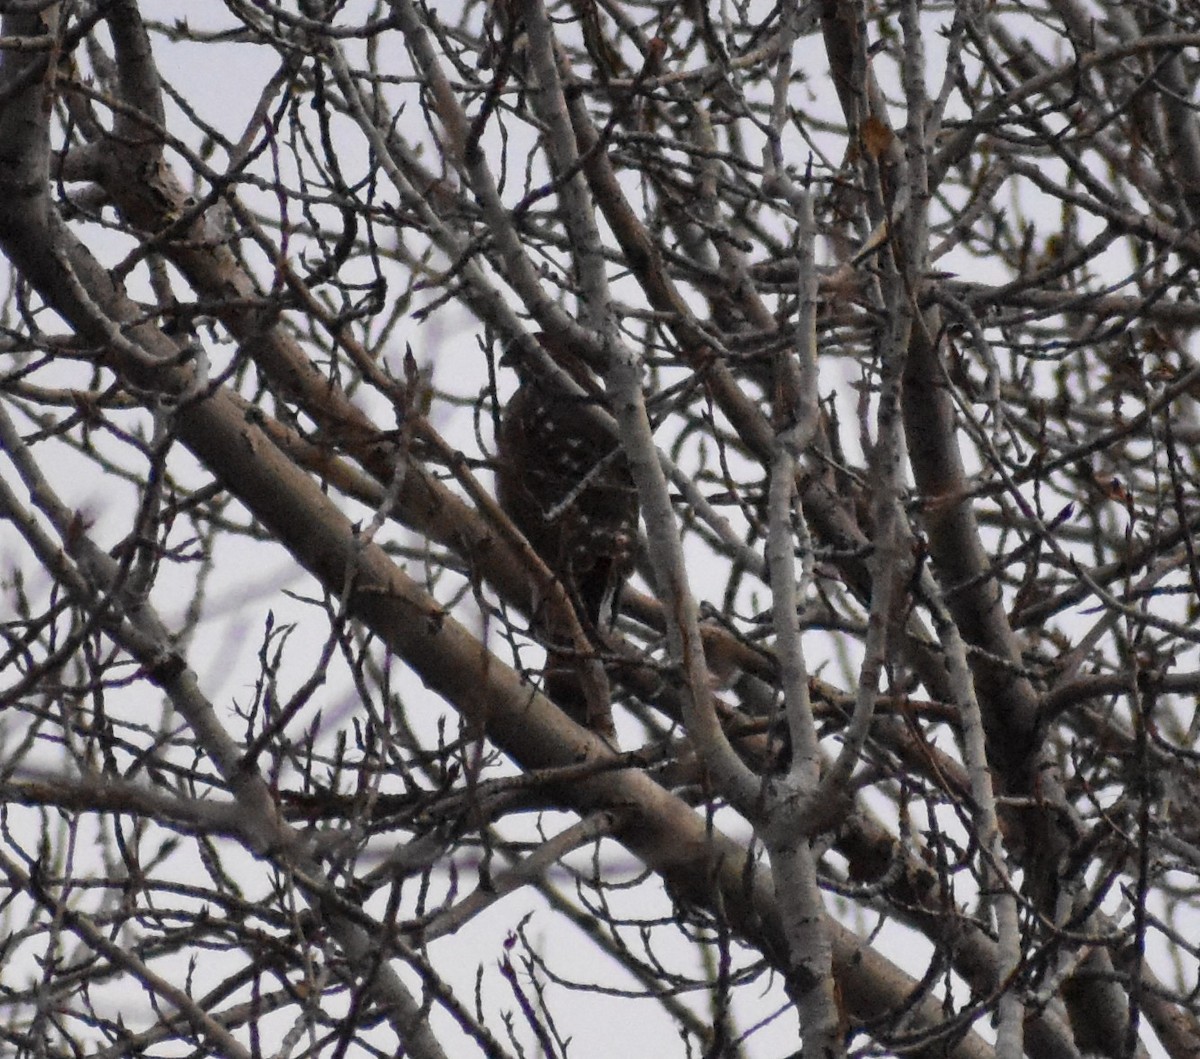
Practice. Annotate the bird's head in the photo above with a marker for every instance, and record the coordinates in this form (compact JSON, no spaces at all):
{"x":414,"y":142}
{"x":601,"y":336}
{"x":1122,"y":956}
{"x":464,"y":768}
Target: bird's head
{"x":529,"y":367}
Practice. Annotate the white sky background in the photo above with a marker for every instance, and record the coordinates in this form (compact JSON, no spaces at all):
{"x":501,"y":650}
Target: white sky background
{"x":223,"y":82}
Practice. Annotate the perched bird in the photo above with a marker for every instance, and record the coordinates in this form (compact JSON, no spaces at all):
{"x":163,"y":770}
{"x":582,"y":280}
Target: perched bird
{"x":566,"y":484}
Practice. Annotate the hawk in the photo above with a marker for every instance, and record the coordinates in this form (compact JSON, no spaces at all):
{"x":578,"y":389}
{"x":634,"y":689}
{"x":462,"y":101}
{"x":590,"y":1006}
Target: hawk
{"x":567,"y":486}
